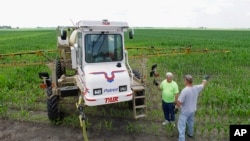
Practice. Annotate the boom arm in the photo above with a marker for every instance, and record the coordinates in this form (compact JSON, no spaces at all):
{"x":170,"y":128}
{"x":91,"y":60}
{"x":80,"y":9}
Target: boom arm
{"x":26,"y":58}
{"x":138,"y":52}
{"x":134,"y":52}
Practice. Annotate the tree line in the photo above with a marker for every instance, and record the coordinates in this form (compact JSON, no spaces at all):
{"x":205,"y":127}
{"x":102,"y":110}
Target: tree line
{"x":5,"y":27}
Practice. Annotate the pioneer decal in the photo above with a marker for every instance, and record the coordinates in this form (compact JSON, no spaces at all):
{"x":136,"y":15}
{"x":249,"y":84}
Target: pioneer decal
{"x":110,"y":90}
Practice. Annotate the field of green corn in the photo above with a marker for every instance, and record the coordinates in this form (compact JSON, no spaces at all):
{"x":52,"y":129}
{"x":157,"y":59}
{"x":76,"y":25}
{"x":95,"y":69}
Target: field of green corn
{"x":224,"y":101}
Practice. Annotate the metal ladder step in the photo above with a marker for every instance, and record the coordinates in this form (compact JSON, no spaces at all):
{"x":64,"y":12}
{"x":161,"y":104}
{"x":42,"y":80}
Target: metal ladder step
{"x":138,"y":97}
{"x":140,"y":106}
{"x":137,"y":88}
{"x":140,"y":116}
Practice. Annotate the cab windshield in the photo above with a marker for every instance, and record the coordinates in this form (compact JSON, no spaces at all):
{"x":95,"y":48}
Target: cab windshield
{"x":103,"y":48}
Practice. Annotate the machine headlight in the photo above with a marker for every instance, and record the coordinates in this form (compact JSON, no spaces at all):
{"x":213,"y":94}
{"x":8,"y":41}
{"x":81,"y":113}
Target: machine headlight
{"x":123,"y":88}
{"x":97,"y":91}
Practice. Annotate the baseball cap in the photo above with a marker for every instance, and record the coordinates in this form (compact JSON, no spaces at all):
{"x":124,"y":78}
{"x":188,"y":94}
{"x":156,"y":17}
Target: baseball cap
{"x":189,"y":78}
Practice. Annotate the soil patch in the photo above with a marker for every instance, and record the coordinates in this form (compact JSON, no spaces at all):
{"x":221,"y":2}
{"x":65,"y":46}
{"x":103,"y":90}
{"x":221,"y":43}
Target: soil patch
{"x":11,"y":130}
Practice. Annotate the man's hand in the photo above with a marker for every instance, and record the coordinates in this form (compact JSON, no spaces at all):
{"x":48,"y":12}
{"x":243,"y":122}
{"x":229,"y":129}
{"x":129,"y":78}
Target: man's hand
{"x":206,"y":77}
{"x":175,"y":108}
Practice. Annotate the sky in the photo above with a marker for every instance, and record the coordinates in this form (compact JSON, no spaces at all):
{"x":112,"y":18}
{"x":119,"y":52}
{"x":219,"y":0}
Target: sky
{"x":138,"y":13}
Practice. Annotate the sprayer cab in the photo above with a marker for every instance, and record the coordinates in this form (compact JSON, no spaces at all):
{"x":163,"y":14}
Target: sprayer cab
{"x":93,"y":42}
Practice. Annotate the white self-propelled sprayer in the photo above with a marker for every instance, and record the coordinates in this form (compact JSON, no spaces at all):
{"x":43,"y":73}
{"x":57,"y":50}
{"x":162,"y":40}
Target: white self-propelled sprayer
{"x":95,"y":52}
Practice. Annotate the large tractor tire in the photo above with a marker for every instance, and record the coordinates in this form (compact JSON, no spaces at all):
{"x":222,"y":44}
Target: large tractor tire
{"x":52,"y":105}
{"x":54,"y":113}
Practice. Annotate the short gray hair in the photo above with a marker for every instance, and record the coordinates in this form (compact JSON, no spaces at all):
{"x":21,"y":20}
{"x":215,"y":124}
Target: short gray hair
{"x":169,"y":74}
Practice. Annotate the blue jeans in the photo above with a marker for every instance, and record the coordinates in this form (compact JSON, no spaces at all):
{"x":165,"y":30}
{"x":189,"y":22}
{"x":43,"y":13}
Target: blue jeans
{"x":168,"y":110}
{"x":185,"y":118}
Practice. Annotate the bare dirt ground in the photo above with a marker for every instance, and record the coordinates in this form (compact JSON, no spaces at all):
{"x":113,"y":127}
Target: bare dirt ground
{"x":39,"y":130}
{"x":11,"y":130}
{"x":120,"y":129}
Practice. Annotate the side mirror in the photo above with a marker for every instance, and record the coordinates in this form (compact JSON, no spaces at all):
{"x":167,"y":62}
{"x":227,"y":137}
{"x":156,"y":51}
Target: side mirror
{"x":131,"y":33}
{"x":63,"y":34}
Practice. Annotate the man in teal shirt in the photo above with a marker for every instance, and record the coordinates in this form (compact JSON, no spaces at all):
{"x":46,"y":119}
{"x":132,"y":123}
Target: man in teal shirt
{"x":170,"y":93}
